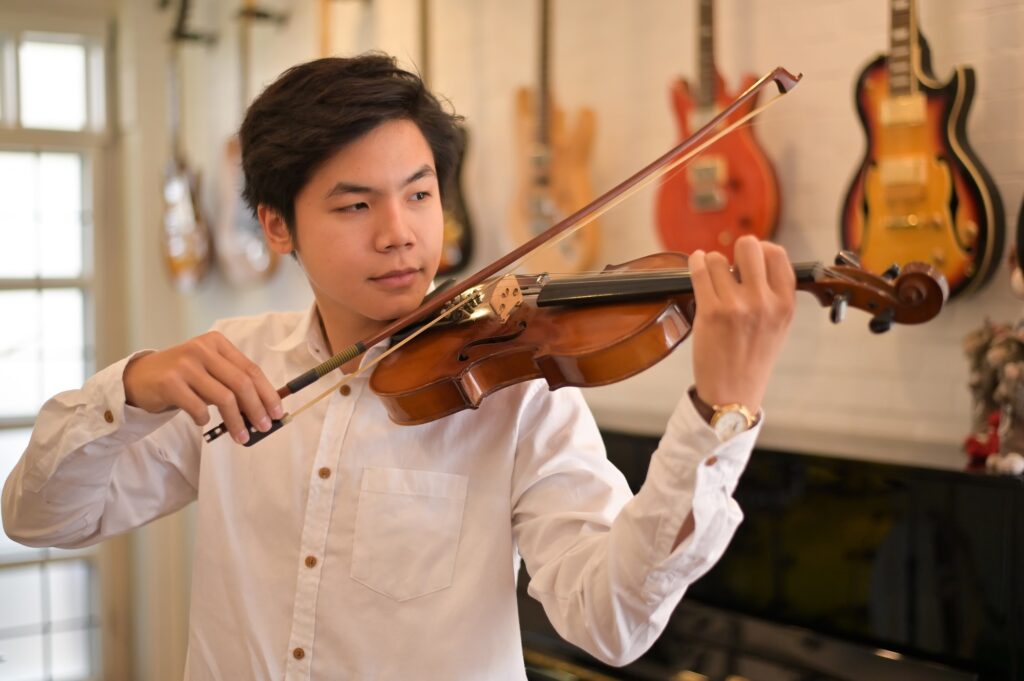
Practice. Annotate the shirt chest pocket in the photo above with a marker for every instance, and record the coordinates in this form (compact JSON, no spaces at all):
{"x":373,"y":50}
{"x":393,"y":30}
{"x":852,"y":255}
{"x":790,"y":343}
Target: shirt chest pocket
{"x":407,"y":531}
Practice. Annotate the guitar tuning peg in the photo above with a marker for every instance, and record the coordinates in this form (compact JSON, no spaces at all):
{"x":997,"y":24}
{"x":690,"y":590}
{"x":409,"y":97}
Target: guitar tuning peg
{"x":881,"y":322}
{"x":839,"y":305}
{"x":892,"y":272}
{"x":845,"y":257}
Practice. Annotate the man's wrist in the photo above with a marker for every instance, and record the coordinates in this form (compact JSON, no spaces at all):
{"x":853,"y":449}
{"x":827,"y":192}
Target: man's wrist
{"x":706,"y":411}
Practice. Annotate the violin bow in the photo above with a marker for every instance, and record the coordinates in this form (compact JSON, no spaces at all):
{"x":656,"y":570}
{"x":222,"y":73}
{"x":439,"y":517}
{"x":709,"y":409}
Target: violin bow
{"x":674,"y":157}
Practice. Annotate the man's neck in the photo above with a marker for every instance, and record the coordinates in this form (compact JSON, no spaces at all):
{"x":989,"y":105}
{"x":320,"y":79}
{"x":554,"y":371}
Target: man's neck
{"x":340,"y":333}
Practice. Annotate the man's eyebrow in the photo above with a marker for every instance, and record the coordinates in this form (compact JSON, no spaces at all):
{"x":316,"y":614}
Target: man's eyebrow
{"x":419,"y":174}
{"x":349,"y":188}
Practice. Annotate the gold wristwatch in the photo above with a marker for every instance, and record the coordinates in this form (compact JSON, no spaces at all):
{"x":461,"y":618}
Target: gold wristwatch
{"x":727,"y":420}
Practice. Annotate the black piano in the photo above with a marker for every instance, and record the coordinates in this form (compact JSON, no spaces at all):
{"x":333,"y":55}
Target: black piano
{"x":843,"y":570}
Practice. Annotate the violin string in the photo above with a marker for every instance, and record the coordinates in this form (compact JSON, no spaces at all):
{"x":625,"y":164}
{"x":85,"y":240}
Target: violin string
{"x":489,"y":284}
{"x":348,"y":378}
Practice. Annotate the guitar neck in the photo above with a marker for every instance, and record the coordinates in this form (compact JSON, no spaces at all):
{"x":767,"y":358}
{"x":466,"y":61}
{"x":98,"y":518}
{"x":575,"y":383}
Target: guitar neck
{"x":425,"y":40}
{"x":706,"y":55}
{"x":903,"y":47}
{"x":544,"y":77}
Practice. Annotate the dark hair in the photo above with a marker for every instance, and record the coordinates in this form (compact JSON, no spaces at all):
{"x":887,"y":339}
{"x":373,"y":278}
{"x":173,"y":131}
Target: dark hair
{"x":314,"y":109}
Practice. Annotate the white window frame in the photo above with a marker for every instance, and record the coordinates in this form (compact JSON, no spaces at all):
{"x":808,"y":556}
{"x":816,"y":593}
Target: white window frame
{"x":109,"y":561}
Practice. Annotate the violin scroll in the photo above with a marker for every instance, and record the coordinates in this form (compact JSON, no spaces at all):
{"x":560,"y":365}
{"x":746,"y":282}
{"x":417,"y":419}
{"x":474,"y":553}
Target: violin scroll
{"x":911,"y":295}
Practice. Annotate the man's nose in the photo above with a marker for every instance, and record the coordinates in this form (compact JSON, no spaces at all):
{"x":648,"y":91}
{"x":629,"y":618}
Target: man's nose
{"x":393,"y":230}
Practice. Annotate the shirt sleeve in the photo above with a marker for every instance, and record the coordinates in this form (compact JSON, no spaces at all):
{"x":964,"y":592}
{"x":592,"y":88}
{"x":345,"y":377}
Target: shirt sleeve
{"x":601,"y":561}
{"x":96,"y":466}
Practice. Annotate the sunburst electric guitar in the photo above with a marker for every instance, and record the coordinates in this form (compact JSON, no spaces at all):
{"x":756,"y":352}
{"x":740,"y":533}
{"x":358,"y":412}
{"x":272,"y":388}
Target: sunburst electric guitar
{"x":552,"y":172}
{"x":728,"y":190}
{"x":457,"y":247}
{"x":920,"y":193}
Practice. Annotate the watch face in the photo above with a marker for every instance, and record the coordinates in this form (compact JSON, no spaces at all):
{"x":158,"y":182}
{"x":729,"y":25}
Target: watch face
{"x":730,"y":423}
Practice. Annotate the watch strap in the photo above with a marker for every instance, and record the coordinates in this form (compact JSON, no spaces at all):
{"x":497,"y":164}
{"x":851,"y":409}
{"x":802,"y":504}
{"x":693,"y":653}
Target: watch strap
{"x":709,"y":411}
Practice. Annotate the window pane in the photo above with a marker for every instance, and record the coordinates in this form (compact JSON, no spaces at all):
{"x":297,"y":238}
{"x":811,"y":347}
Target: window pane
{"x":42,"y":215}
{"x":12,"y":444}
{"x":72,"y":653}
{"x":52,"y":83}
{"x":71,"y":599}
{"x":21,"y":591}
{"x":42,"y":354}
{"x":21,"y":658}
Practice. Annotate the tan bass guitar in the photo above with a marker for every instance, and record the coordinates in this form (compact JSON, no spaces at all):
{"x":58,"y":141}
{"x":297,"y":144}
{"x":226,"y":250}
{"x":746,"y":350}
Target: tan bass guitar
{"x":552,"y":170}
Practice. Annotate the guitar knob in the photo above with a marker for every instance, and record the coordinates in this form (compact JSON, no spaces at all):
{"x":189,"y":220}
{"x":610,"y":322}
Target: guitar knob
{"x":881,"y":322}
{"x":839,"y":305}
{"x":845,"y":257}
{"x":892,"y":272}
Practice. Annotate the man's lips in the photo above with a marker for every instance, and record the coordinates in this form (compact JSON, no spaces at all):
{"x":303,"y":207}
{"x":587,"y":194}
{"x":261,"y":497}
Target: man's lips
{"x":397,"y":278}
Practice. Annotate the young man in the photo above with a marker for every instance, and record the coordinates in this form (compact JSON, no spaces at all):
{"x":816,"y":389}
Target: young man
{"x":344,"y":546}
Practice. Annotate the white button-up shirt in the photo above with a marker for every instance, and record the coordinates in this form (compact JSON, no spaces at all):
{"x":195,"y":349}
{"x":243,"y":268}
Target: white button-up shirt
{"x":347,"y":547}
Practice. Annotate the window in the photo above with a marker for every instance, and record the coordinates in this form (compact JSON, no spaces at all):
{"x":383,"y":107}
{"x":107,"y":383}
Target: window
{"x":52,"y":132}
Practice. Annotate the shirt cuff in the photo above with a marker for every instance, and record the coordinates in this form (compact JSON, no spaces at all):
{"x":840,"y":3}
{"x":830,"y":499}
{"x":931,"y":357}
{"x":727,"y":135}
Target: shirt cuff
{"x":109,"y":412}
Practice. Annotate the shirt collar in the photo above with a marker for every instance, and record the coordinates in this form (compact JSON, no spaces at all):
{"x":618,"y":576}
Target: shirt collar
{"x":307,"y":331}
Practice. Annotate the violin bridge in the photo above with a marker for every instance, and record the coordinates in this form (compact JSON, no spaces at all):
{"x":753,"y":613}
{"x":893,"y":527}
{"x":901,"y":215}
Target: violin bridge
{"x":506,"y":297}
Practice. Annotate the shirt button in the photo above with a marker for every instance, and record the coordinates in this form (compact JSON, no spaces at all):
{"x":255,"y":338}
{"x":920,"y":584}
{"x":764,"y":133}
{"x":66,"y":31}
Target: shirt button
{"x":324,"y":472}
{"x":298,"y":653}
{"x":108,"y":416}
{"x":311,"y":561}
{"x":711,"y":461}
{"x":345,"y":390}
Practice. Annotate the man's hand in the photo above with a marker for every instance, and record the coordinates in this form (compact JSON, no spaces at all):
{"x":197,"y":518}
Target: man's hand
{"x":742,"y":320}
{"x":205,"y":370}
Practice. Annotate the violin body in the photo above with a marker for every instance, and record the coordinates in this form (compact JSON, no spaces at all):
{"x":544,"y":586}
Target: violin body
{"x":455,"y":367}
{"x":727,"y":191}
{"x":920,"y":193}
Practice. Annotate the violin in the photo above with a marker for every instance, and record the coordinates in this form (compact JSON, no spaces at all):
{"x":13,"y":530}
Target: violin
{"x":592,"y":330}
{"x":562,"y":329}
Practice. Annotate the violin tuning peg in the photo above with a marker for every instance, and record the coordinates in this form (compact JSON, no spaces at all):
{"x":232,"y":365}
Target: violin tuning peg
{"x":881,"y":322}
{"x":838,"y":311}
{"x":892,"y":272}
{"x":845,"y":257}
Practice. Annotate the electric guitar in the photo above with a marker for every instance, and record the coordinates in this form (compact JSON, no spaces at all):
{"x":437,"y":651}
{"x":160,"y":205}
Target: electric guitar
{"x":920,"y":192}
{"x":1019,"y":247}
{"x":457,"y":247}
{"x":552,"y":172}
{"x":242,"y":252}
{"x":185,"y":238}
{"x":729,"y":189}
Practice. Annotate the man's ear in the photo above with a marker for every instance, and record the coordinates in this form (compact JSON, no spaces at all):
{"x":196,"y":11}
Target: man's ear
{"x":275,"y":229}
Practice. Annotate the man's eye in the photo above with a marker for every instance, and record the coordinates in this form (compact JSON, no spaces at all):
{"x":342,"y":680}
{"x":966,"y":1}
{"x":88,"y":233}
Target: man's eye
{"x":352,"y":208}
{"x":420,"y":196}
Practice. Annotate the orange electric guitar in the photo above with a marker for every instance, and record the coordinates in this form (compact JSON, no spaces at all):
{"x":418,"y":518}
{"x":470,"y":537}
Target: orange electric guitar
{"x":553,"y":180}
{"x":728,"y":190}
{"x":920,"y":193}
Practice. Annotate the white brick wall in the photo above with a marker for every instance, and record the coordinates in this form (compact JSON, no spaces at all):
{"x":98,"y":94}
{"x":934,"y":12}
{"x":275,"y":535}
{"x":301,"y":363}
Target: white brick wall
{"x":900,"y":396}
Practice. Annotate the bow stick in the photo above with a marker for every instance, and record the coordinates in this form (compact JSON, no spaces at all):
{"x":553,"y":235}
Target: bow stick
{"x":699,"y":140}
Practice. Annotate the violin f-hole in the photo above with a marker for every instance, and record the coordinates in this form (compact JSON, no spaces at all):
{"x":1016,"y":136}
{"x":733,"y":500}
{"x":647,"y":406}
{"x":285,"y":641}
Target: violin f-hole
{"x":504,"y":338}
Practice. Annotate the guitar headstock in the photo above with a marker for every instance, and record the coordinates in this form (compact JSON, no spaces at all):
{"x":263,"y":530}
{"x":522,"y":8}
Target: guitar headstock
{"x":912,"y":294}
